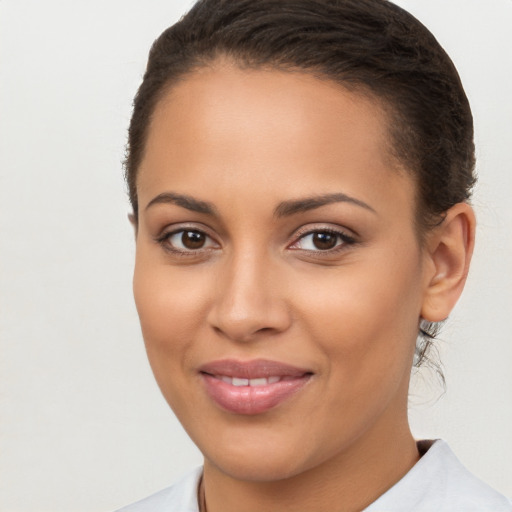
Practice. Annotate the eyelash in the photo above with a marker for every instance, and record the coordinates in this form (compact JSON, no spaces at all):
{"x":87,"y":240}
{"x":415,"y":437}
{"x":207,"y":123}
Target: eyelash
{"x":343,"y":238}
{"x":164,"y":241}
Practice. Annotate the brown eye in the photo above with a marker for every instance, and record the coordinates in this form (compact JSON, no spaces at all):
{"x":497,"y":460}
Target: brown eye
{"x":193,"y":239}
{"x":324,"y":241}
{"x":187,"y":240}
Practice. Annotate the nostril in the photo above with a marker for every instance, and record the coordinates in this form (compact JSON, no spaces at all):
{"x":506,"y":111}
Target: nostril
{"x":265,"y":329}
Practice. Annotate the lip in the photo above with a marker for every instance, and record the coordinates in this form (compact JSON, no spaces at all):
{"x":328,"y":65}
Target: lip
{"x":255,"y":399}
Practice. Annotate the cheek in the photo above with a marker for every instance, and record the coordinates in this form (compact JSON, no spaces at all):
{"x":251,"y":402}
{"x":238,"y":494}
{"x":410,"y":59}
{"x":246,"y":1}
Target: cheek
{"x":364,"y":316}
{"x":169,"y":303}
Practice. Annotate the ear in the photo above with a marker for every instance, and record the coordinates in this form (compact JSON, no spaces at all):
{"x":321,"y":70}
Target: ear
{"x":133,"y":222}
{"x":449,"y":250}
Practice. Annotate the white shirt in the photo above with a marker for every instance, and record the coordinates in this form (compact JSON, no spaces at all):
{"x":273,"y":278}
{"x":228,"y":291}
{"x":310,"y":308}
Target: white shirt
{"x":438,"y":482}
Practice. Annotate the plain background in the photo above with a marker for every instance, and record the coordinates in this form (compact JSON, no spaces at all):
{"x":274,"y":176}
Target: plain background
{"x":82,"y":425}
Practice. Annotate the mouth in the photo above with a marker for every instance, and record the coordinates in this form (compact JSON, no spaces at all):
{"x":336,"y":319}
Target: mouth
{"x":238,"y":382}
{"x":252,"y":387}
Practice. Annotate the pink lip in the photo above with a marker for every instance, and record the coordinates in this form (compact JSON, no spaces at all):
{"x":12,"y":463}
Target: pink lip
{"x":248,"y":399}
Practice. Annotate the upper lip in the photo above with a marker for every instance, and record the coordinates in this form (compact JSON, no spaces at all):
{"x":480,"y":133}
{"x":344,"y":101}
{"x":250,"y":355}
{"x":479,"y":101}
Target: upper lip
{"x":255,"y":369}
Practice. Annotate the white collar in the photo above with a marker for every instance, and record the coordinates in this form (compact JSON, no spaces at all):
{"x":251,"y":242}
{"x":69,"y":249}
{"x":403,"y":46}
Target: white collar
{"x":438,"y":482}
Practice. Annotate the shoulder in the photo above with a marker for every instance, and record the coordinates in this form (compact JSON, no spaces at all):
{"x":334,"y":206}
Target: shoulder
{"x":440,"y":482}
{"x":180,"y":497}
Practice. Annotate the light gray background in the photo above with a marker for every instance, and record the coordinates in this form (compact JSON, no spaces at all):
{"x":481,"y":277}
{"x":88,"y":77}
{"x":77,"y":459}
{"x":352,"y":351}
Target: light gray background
{"x":82,"y":425}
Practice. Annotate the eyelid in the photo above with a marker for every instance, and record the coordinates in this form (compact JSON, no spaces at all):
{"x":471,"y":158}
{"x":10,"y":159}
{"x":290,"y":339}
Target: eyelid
{"x":165,"y":234}
{"x":346,"y":236}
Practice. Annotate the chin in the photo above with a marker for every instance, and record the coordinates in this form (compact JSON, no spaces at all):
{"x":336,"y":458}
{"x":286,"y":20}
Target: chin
{"x":258,"y":468}
{"x":258,"y":458}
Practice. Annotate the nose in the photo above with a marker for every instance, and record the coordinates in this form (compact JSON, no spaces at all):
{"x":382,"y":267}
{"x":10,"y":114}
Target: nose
{"x":249,"y":300}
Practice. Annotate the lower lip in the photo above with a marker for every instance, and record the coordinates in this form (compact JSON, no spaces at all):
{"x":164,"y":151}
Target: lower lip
{"x":252,"y":400}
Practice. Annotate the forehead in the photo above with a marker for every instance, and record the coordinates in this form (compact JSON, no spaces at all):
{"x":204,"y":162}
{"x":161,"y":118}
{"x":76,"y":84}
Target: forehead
{"x":262,"y":129}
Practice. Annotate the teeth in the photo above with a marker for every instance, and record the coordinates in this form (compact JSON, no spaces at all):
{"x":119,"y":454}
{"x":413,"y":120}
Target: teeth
{"x":240,"y":382}
{"x":258,"y":382}
{"x":262,"y":381}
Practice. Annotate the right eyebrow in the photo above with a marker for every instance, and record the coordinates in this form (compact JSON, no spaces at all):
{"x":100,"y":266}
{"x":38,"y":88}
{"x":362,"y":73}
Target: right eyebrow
{"x":184,"y":201}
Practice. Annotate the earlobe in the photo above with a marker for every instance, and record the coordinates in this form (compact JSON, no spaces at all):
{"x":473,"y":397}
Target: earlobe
{"x":450,"y":247}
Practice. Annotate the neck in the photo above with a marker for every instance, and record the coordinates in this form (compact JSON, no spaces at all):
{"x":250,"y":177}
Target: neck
{"x":348,"y":482}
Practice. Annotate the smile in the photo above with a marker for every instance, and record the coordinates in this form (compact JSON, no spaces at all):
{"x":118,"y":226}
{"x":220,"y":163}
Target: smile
{"x":235,"y":381}
{"x":252,"y":387}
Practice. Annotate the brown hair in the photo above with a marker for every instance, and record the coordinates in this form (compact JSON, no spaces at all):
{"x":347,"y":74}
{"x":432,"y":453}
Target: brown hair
{"x":370,"y":45}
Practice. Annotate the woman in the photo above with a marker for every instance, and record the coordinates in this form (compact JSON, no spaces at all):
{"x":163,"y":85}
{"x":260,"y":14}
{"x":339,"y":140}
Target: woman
{"x":299,"y":173}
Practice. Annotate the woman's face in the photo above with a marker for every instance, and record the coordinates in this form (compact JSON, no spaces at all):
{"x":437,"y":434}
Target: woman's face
{"x":278,"y":277}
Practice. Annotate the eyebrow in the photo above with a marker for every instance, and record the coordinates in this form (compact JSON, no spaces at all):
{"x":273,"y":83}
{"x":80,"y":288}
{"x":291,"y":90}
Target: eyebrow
{"x":293,"y":207}
{"x":284,"y":209}
{"x":184,"y":201}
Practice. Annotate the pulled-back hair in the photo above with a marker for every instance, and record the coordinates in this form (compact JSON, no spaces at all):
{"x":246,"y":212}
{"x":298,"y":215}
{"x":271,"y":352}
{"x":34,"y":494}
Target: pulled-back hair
{"x":371,"y":46}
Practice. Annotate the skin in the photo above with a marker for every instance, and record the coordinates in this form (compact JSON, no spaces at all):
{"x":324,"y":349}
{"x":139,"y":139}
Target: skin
{"x":246,"y":141}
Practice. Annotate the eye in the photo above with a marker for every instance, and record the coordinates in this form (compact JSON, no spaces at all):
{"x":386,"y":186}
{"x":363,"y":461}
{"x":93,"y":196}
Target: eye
{"x":187,"y":240}
{"x":322,"y":240}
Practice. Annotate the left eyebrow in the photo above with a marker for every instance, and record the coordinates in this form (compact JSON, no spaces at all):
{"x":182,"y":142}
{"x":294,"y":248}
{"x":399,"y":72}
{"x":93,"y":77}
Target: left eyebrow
{"x":287,"y":208}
